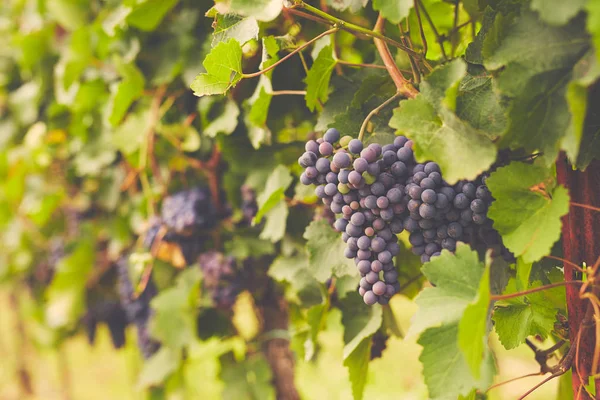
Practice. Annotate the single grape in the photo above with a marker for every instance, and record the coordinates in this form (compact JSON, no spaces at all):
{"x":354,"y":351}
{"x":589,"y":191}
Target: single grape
{"x":379,"y":288}
{"x":358,"y":219}
{"x":393,"y":248}
{"x":360,"y":165}
{"x":332,"y":135}
{"x":376,"y":147}
{"x":416,"y":239}
{"x":405,"y":155}
{"x":429,"y":196}
{"x":363,"y":254}
{"x":369,"y":154}
{"x":372,"y":277}
{"x":340,"y":225}
{"x":469,"y":190}
{"x":427,"y":211}
{"x":461,"y":201}
{"x":376,"y":266}
{"x":478,"y":206}
{"x":389,"y":157}
{"x":369,"y":231}
{"x":326,"y":148}
{"x":349,"y":253}
{"x":418,"y":177}
{"x":353,"y":230}
{"x":364,"y":266}
{"x":343,"y":176}
{"x":305,"y":180}
{"x":330,"y":189}
{"x":399,"y":141}
{"x":370,"y":298}
{"x":436,"y":177}
{"x":355,"y":146}
{"x":441,"y":201}
{"x":312,"y":146}
{"x":378,"y":189}
{"x":378,"y":244}
{"x":323,"y":165}
{"x":364,"y":243}
{"x":342,"y":160}
{"x":396,"y":226}
{"x":390,"y":276}
{"x":431,"y":167}
{"x":427,"y":183}
{"x":374,"y":169}
{"x":455,"y":230}
{"x":355,"y":178}
{"x":379,"y":224}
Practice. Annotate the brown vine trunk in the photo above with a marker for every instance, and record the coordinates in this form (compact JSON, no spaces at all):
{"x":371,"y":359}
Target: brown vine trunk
{"x":277,"y":350}
{"x":581,"y":243}
{"x":20,"y":347}
{"x":273,"y":312}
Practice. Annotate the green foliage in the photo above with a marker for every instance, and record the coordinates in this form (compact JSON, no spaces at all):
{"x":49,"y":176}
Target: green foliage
{"x":98,"y":125}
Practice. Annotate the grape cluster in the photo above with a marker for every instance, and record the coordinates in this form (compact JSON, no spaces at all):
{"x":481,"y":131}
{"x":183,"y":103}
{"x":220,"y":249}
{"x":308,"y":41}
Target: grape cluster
{"x":110,"y":312}
{"x":137,"y":309}
{"x":189,"y":210}
{"x":378,"y":344}
{"x":378,"y":192}
{"x":220,"y":278}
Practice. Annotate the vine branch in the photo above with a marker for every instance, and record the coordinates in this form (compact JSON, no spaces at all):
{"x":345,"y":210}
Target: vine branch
{"x":403,"y":86}
{"x":296,"y":50}
{"x":348,"y":26}
{"x":534,"y":290}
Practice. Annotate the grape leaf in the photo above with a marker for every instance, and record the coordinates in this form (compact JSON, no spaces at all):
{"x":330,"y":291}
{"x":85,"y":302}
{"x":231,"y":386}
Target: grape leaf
{"x":223,"y":69}
{"x":557,"y":12}
{"x":326,"y":252}
{"x":474,"y":326}
{"x":174,"y":322}
{"x":460,"y":150}
{"x":66,"y":294}
{"x":593,"y":24}
{"x":445,"y":369}
{"x":247,"y":380}
{"x":537,"y":61}
{"x":534,"y":314}
{"x":353,"y":5}
{"x":317,"y":79}
{"x":273,"y":193}
{"x":125,"y":92}
{"x":527,"y":209}
{"x":439,"y":135}
{"x":68,"y":13}
{"x":456,"y":278}
{"x":393,"y":10}
{"x":343,"y":89}
{"x":147,"y":15}
{"x":233,"y":26}
{"x":580,"y":97}
{"x":295,"y":271}
{"x":360,"y":323}
{"x":159,"y":367}
{"x":358,"y":367}
{"x":218,"y":115}
{"x":274,"y":228}
{"x":262,"y":10}
{"x":480,"y":106}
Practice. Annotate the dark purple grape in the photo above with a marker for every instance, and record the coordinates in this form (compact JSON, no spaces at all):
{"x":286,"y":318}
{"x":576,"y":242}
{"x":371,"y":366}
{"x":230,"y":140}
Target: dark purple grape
{"x":429,"y":196}
{"x":427,"y":183}
{"x":441,"y":201}
{"x":376,"y":266}
{"x":358,"y":218}
{"x":363,"y":254}
{"x":478,"y":206}
{"x":416,"y":239}
{"x":405,"y":155}
{"x":364,"y":266}
{"x":389,"y":157}
{"x":355,"y":178}
{"x":373,"y":169}
{"x":415,"y":192}
{"x":469,"y":190}
{"x":399,"y":141}
{"x":427,"y":211}
{"x":461,"y":201}
{"x":378,"y":189}
{"x":396,"y":226}
{"x":385,"y":257}
{"x":360,"y":165}
{"x":364,"y":243}
{"x":372,"y":277}
{"x":369,"y":154}
{"x":305,"y":180}
{"x":431,"y":167}
{"x":340,"y":225}
{"x":390,"y":276}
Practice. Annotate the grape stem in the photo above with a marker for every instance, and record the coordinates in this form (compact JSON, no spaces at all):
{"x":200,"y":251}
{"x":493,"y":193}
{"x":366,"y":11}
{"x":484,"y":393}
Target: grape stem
{"x":347,"y":26}
{"x":288,"y":92}
{"x":421,"y":31}
{"x":534,"y":290}
{"x":296,"y":50}
{"x":374,"y":112}
{"x":402,"y":84}
{"x":438,"y":37}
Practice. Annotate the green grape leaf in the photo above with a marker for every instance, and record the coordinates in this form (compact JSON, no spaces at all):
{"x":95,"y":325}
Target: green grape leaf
{"x":242,"y":247}
{"x":439,"y":135}
{"x":480,"y":106}
{"x":537,"y":61}
{"x":147,"y":15}
{"x":262,"y":10}
{"x":474,"y":326}
{"x":393,"y":10}
{"x":360,"y":321}
{"x":593,"y":24}
{"x":557,"y":12}
{"x":527,"y":209}
{"x":534,"y":314}
{"x":66,"y":294}
{"x":68,"y":13}
{"x":295,"y":271}
{"x":461,"y":151}
{"x":317,"y":79}
{"x":445,"y":369}
{"x":218,"y":115}
{"x":326,"y":252}
{"x":457,"y":279}
{"x":174,"y":322}
{"x":128,"y":136}
{"x":247,"y":380}
{"x":159,"y":367}
{"x":343,"y":89}
{"x":580,"y":98}
{"x":125,"y":92}
{"x":274,"y":228}
{"x":353,"y":5}
{"x":274,"y":191}
{"x":358,"y":367}
{"x":223,"y":69}
{"x":233,"y":26}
